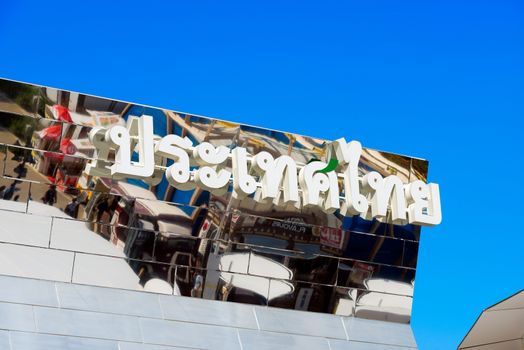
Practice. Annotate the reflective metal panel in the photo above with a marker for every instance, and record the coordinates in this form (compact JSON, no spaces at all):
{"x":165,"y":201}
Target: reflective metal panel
{"x":283,"y":265}
{"x":20,"y":98}
{"x":43,"y":167}
{"x":383,"y":306}
{"x":126,"y":233}
{"x":371,"y":276}
{"x":419,"y":169}
{"x":385,"y":164}
{"x":122,"y":273}
{"x":33,"y":262}
{"x":300,"y":296}
{"x":58,"y":201}
{"x":239,"y":288}
{"x":25,"y":229}
{"x":27,"y":131}
{"x":344,"y":301}
{"x":14,"y":194}
{"x":101,"y":239}
{"x":410,"y":254}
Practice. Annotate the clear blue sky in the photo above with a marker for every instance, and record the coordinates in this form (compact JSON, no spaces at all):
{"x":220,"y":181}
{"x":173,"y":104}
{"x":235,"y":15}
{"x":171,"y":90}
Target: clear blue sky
{"x":442,"y":80}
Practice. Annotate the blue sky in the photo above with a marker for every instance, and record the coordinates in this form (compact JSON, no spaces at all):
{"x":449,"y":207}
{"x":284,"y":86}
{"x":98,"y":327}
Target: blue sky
{"x":442,"y":80}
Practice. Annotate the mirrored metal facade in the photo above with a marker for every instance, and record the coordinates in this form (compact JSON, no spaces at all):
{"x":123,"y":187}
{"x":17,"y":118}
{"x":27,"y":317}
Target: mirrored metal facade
{"x":61,"y":224}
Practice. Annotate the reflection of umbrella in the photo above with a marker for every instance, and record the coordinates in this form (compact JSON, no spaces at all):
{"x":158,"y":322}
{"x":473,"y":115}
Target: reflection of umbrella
{"x":157,"y":285}
{"x":62,"y":113}
{"x":258,"y":285}
{"x":258,"y":265}
{"x":389,"y":286}
{"x":67,"y":147}
{"x":51,"y":133}
{"x":128,"y":189}
{"x":387,"y":300}
{"x":382,"y":306}
{"x":56,"y":156}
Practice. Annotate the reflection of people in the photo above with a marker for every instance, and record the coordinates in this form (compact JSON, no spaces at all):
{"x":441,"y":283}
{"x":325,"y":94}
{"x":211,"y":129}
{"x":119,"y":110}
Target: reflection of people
{"x":8,"y":194}
{"x":21,"y":170}
{"x":71,"y":208}
{"x":50,"y":195}
{"x":104,"y":207}
{"x":82,"y":198}
{"x":225,"y":291}
{"x":196,"y":292}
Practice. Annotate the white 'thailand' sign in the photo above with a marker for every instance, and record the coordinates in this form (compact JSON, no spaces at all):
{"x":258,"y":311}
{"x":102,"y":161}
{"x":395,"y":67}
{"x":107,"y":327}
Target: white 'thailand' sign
{"x":281,"y":180}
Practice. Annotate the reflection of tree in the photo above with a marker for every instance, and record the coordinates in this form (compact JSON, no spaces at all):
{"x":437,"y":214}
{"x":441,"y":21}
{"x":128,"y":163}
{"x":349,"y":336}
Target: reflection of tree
{"x":20,"y":127}
{"x":23,"y":95}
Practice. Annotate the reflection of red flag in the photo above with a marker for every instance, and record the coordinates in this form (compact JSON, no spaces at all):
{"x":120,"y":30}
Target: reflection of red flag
{"x":51,"y":133}
{"x":67,"y":147}
{"x":56,"y":156}
{"x":62,"y":113}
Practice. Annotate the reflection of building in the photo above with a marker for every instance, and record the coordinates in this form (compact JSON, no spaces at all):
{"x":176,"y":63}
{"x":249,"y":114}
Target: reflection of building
{"x":250,"y":268}
{"x":499,"y":327}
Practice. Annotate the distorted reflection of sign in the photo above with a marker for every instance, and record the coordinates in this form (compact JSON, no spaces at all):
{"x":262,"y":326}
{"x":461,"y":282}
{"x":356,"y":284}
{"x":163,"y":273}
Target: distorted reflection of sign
{"x":290,"y":224}
{"x":331,"y":237}
{"x":281,"y":181}
{"x":303,"y":299}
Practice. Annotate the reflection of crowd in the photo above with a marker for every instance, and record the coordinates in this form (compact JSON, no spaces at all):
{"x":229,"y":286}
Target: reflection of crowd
{"x":71,"y":208}
{"x":8,"y":193}
{"x":49,"y":196}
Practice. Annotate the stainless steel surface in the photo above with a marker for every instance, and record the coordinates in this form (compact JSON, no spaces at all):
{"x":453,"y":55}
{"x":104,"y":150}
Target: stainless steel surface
{"x":32,"y":262}
{"x":153,"y":244}
{"x":23,"y":229}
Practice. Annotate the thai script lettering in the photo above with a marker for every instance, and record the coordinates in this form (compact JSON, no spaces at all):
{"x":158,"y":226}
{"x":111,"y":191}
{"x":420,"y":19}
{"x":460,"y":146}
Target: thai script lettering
{"x":266,"y":179}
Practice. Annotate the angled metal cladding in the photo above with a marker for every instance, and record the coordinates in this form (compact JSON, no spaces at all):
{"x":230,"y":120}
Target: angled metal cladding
{"x":101,"y":263}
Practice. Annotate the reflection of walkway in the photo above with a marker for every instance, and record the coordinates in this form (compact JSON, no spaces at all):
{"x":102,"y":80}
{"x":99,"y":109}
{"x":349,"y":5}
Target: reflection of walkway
{"x":7,"y":105}
{"x":37,"y":191}
{"x":7,"y":137}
